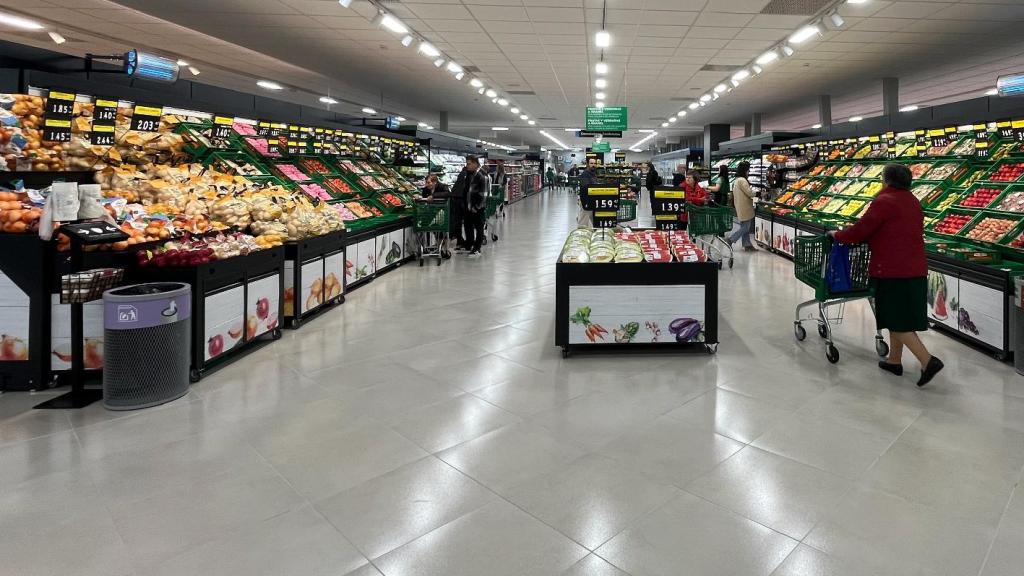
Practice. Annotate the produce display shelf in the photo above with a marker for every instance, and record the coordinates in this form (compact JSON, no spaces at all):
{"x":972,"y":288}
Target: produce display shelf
{"x":324,"y":254}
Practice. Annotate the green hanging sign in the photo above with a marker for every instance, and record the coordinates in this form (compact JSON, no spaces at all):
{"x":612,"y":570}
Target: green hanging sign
{"x":606,"y":118}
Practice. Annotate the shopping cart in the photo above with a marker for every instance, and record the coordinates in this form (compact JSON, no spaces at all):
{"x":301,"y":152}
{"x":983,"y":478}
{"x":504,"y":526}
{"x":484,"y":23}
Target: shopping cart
{"x":494,"y":213}
{"x":627,"y":210}
{"x":708,"y":226}
{"x":430,"y":223}
{"x":811,"y":259}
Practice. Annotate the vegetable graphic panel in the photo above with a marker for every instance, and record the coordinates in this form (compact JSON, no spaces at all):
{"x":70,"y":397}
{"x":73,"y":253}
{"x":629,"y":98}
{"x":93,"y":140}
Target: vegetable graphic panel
{"x":636,"y":314}
{"x":980,"y":313}
{"x":262,"y":306}
{"x":943,"y":296}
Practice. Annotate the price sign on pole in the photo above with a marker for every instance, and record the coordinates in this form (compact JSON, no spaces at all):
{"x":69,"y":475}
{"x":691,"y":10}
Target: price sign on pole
{"x":605,"y":218}
{"x":104,"y":117}
{"x":890,"y":144}
{"x":667,"y":222}
{"x":938,"y":138}
{"x":601,"y":198}
{"x":146,"y":118}
{"x":263,"y":128}
{"x":222,"y":126}
{"x":274,"y":145}
{"x":981,"y":140}
{"x":668,"y":202}
{"x":60,"y":105}
{"x":921,"y":142}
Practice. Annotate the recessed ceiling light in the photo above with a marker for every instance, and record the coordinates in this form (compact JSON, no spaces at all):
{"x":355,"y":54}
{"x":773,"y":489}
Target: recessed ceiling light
{"x":476,"y":83}
{"x":787,"y":50}
{"x":268,"y":85}
{"x":491,"y":93}
{"x":992,"y":92}
{"x":369,"y":110}
{"x":524,"y":117}
{"x":499,"y":128}
{"x":664,"y":124}
{"x":693,"y":106}
{"x":672,"y":119}
{"x":741,"y":75}
{"x":394,"y":24}
{"x":804,"y":34}
{"x":910,"y":108}
{"x":720,"y":88}
{"x":599,"y":104}
{"x":816,"y":126}
{"x":603,"y":39}
{"x":600,"y":83}
{"x":856,"y":118}
{"x":705,"y":98}
{"x":768,"y":57}
{"x":599,"y":95}
{"x":514,"y":110}
{"x":531,"y":123}
{"x":502,"y":102}
{"x":19,"y":22}
{"x":601,"y":68}
{"x":328,"y":100}
{"x":681,"y":113}
{"x":407,"y":40}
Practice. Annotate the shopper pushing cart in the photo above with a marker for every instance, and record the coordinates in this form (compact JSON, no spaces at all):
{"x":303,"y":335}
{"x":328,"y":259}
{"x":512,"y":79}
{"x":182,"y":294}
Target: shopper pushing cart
{"x":430,"y":221}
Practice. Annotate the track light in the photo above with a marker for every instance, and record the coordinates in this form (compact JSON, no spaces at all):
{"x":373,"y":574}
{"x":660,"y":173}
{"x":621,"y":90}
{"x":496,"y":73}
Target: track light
{"x":787,"y":50}
{"x":476,"y":83}
{"x":767,"y":58}
{"x":909,"y":108}
{"x":57,"y":38}
{"x":394,"y":24}
{"x":836,"y":20}
{"x":268,"y":85}
{"x":741,"y":75}
{"x":599,"y":104}
{"x":514,"y":110}
{"x":491,"y":93}
{"x":804,"y":34}
{"x":603,"y":39}
{"x":693,"y":106}
{"x":600,"y":83}
{"x":439,"y":62}
{"x":453,"y":68}
{"x":19,"y":22}
{"x":407,"y":41}
{"x":681,"y":113}
{"x":816,"y":126}
{"x":345,"y":3}
{"x":856,"y":118}
{"x":193,"y":70}
{"x":601,"y":68}
{"x":705,"y":98}
{"x":672,"y":119}
{"x":664,"y":124}
{"x":524,"y":117}
{"x":428,"y":49}
{"x":502,"y":102}
{"x":369,"y":111}
{"x":532,"y":123}
{"x":757,"y":69}
{"x":720,"y":88}
{"x":480,"y":91}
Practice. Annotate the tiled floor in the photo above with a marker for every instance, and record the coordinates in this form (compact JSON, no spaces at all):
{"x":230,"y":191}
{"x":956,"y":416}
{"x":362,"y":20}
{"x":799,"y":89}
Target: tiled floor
{"x":430,"y":427}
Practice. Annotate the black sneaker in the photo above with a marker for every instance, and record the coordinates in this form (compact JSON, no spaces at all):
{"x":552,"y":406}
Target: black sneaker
{"x":896,"y":369}
{"x":934,"y":367}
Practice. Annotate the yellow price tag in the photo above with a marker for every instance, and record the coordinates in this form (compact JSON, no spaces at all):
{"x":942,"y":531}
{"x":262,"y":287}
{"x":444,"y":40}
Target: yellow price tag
{"x":148,"y":110}
{"x":102,"y":128}
{"x":54,"y":123}
{"x":602,"y":191}
{"x":223,"y":120}
{"x":106,"y":103}
{"x":61,"y":95}
{"x":669,"y":194}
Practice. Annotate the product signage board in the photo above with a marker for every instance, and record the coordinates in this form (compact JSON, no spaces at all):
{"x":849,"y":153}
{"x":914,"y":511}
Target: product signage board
{"x":594,"y":133}
{"x":620,"y":156}
{"x":638,"y":314}
{"x":392,"y":123}
{"x":60,"y":105}
{"x":605,"y":218}
{"x":602,"y":147}
{"x":938,"y":137}
{"x":222,"y":126}
{"x":890,"y":144}
{"x":601,"y":198}
{"x":921,"y":142}
{"x":1018,"y":130}
{"x":273,"y":145}
{"x":146,"y":117}
{"x":668,"y":202}
{"x":981,"y":143}
{"x":94,"y":232}
{"x":667,"y":222}
{"x":607,"y":118}
{"x":104,"y":116}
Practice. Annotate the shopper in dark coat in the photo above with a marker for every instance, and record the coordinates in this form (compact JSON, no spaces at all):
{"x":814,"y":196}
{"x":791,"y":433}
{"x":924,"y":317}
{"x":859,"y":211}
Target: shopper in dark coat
{"x":653,"y":181}
{"x":894,"y":228}
{"x":679,"y":176}
{"x":721,"y":189}
{"x":471,"y":187}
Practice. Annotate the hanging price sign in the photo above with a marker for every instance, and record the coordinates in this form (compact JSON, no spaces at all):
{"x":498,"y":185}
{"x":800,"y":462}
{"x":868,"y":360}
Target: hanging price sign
{"x":56,"y":130}
{"x":104,"y":111}
{"x":274,"y":145}
{"x":146,"y":118}
{"x":102,"y":134}
{"x":890,"y":145}
{"x":981,"y":140}
{"x":668,"y":202}
{"x":605,"y":218}
{"x":222,"y":126}
{"x":938,"y":138}
{"x":263,"y":128}
{"x":601,"y":198}
{"x":667,"y":222}
{"x":1018,"y":130}
{"x":921,"y":142}
{"x":1005,"y":129}
{"x":57,"y":116}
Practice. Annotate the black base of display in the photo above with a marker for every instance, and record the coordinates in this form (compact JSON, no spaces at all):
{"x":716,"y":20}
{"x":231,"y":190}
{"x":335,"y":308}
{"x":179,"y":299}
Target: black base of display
{"x":295,"y":322}
{"x":652,"y":348}
{"x":72,"y":400}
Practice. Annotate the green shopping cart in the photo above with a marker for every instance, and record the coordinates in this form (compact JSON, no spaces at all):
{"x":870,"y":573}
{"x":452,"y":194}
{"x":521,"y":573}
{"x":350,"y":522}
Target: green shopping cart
{"x":811,"y":261}
{"x":627,"y":210}
{"x":430,"y":223}
{"x":708,"y":226}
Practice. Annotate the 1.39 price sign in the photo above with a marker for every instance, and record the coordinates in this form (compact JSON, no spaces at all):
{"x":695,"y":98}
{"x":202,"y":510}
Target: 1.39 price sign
{"x":668,"y":202}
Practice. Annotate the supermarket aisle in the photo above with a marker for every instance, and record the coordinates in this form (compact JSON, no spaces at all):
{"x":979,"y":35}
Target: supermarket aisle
{"x":430,"y":426}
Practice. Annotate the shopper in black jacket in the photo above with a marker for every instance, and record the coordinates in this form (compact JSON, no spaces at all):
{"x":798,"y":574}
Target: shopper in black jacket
{"x":653,"y":181}
{"x":471,"y":188}
{"x":679,"y":176}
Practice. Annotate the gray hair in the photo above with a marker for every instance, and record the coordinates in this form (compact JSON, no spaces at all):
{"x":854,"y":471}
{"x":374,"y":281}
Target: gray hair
{"x":897,"y":176}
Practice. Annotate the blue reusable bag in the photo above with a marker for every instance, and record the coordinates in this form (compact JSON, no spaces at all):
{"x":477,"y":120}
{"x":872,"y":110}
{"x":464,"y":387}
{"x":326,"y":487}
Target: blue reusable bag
{"x":837,"y":275}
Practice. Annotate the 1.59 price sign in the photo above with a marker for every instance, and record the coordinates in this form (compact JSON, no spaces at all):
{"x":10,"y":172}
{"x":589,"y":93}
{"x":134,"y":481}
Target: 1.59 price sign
{"x":601,"y":198}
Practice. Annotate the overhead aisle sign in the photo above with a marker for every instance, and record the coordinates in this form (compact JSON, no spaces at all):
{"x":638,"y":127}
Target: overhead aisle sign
{"x":607,"y":118}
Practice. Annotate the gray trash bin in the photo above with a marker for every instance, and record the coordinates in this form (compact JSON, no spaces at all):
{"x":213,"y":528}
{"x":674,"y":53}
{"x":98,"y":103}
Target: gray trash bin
{"x":146,"y":331}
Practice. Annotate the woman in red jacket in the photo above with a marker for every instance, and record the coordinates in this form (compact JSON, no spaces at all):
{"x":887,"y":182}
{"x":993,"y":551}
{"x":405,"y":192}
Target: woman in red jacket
{"x":694,"y":194}
{"x":894,"y":228}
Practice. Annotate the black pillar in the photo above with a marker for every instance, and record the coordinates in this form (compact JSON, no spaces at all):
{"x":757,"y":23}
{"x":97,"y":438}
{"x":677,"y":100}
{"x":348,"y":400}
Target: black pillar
{"x":755,"y":124}
{"x":890,"y":96}
{"x":442,"y":122}
{"x":714,"y":134}
{"x":825,"y":110}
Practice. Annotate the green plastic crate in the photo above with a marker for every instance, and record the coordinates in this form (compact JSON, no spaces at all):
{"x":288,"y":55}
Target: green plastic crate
{"x":810,"y":261}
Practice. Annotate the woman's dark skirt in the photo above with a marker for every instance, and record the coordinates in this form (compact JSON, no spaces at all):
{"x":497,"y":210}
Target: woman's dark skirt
{"x":901,"y":304}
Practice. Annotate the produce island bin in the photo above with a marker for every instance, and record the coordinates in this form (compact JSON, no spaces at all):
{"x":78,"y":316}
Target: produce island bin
{"x":314,"y":280}
{"x":237,"y":303}
{"x":371,"y":252}
{"x":637,"y":307}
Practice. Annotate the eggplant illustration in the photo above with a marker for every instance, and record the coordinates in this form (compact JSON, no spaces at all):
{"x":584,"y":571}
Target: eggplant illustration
{"x":685,"y":329}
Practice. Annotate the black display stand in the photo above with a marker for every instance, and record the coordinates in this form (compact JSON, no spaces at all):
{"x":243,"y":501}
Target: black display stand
{"x":81,"y":234}
{"x":26,"y":261}
{"x":301,"y":252}
{"x":219,"y":275}
{"x":568,"y":276}
{"x":354,"y":238}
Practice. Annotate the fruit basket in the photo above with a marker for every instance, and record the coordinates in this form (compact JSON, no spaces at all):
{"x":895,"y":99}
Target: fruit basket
{"x":924,"y":191}
{"x":1006,"y":171}
{"x":291,"y":172}
{"x":830,"y":170}
{"x":855,"y":188}
{"x":853,"y":208}
{"x":919,"y":169}
{"x":819,"y":203}
{"x":952,"y":222}
{"x":834,"y":205}
{"x":1011,"y":200}
{"x":981,"y":195}
{"x":950,"y":169}
{"x":991,"y":228}
{"x":873,"y":171}
{"x":314,"y":166}
{"x":238,"y":163}
{"x":971,"y":176}
{"x":837,"y":187}
{"x":941,"y":199}
{"x":351,"y":167}
{"x":816,"y":185}
{"x":872,"y":189}
{"x":843,"y":170}
{"x":341,"y":188}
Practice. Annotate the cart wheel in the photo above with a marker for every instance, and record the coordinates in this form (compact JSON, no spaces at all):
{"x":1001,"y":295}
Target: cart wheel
{"x":881,"y":348}
{"x":494,"y":237}
{"x":731,"y":262}
{"x":565,"y":352}
{"x":832,"y":354}
{"x":276,"y":334}
{"x":822,"y":331}
{"x":799,"y":332}
{"x":712,"y":348}
{"x":193,"y":375}
{"x":421,"y":260}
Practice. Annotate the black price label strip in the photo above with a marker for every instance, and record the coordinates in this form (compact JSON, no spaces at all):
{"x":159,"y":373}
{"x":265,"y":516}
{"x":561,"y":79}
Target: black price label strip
{"x":102,"y":135}
{"x":223,"y":126}
{"x":1005,"y":128}
{"x":1018,"y":130}
{"x":104,"y":111}
{"x":59,"y":104}
{"x":56,"y":130}
{"x":146,"y":118}
{"x":668,"y":202}
{"x":605,"y":219}
{"x":666,"y":222}
{"x":601,"y":198}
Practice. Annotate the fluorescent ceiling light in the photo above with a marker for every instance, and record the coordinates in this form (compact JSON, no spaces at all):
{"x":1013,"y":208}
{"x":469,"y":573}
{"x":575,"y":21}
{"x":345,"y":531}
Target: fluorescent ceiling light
{"x":816,"y":126}
{"x":439,"y":62}
{"x":715,"y":96}
{"x":741,"y":75}
{"x":192,"y":69}
{"x":672,"y":119}
{"x":181,"y":63}
{"x":369,"y":110}
{"x":992,"y":92}
{"x":599,"y":95}
{"x":664,"y":124}
{"x":681,"y":113}
{"x":856,"y":118}
{"x":836,"y":20}
{"x":804,"y":34}
{"x":268,"y":85}
{"x":499,"y":129}
{"x":693,"y":106}
{"x":910,"y":108}
{"x":767,"y":58}
{"x":856,"y":1}
{"x":502,"y":102}
{"x":480,"y":91}
{"x":603,"y":39}
{"x":705,"y":98}
{"x":720,"y":88}
{"x":400,"y":118}
{"x":553,"y":139}
{"x":515,"y":110}
{"x":757,"y":69}
{"x":19,"y":22}
{"x":476,"y":83}
{"x":524,"y":117}
{"x":601,"y":68}
{"x":600,"y":83}
{"x":599,"y":104}
{"x":328,"y":100}
{"x":345,"y":3}
{"x":428,"y":49}
{"x":491,"y":93}
{"x":394,"y":24}
{"x":407,"y":41}
{"x":734,"y":83}
{"x":453,"y":68}
{"x":645,"y":131}
{"x":424,"y":125}
{"x":429,"y":127}
{"x":460,"y":75}
{"x":571,"y":129}
{"x":494,"y":100}
{"x":787,"y":50}
{"x":531,"y":123}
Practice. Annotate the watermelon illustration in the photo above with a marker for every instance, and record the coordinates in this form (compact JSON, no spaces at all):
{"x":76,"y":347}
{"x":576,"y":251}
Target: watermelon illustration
{"x":937,"y":295}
